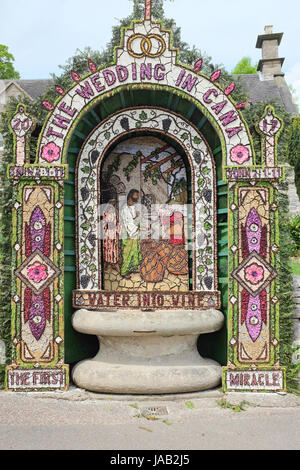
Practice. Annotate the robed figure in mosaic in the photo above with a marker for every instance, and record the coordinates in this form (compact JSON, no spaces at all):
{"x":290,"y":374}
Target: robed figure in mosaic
{"x":131,"y":253}
{"x":111,"y":229}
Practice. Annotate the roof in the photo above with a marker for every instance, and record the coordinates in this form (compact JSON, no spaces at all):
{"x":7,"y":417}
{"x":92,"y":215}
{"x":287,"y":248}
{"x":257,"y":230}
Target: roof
{"x":262,"y":90}
{"x":257,"y":90}
{"x":33,"y":88}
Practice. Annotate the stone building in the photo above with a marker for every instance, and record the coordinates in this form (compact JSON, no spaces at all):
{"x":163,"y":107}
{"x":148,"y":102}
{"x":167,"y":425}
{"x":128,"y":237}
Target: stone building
{"x":269,"y":82}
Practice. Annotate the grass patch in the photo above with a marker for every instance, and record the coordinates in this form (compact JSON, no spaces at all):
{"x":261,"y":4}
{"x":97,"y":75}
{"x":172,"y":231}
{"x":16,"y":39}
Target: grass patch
{"x":223,"y":403}
{"x":190,"y":405}
{"x":295,"y":265}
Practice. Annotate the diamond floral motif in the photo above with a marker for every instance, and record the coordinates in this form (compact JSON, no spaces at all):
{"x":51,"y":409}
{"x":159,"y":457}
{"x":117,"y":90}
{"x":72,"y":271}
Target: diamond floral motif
{"x":37,"y":272}
{"x":254,"y":273}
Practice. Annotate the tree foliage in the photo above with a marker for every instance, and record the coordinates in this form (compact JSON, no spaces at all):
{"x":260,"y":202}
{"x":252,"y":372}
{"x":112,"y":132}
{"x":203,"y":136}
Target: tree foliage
{"x":293,"y":149}
{"x":7,"y":70}
{"x":285,"y":294}
{"x":244,"y":67}
{"x":187,"y":55}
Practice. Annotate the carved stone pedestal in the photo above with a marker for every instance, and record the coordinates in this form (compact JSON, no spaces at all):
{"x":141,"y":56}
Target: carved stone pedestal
{"x":147,"y":352}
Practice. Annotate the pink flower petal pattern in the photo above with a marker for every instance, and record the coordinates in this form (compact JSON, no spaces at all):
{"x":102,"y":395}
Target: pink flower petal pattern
{"x":215,"y":75}
{"x":37,"y":272}
{"x":48,"y":105}
{"x":51,"y":152}
{"x":239,"y":154}
{"x":254,"y":273}
{"x":198,"y":65}
{"x":229,"y":89}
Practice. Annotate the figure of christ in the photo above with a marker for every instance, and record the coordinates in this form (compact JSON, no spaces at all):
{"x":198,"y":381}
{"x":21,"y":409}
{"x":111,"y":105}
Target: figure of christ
{"x":130,"y":234}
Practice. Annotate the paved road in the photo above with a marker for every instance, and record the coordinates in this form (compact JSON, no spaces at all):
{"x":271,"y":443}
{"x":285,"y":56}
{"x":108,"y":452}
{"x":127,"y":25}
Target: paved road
{"x":78,"y":420}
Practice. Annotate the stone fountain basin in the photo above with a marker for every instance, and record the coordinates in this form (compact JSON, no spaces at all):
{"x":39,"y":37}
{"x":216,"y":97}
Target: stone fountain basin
{"x":147,"y":352}
{"x":141,"y":322}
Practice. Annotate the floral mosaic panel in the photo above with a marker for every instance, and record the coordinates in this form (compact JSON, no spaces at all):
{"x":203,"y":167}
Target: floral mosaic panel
{"x":253,"y":303}
{"x":203,"y":188}
{"x":145,"y":59}
{"x":36,"y":274}
{"x":254,"y":251}
{"x":37,"y":291}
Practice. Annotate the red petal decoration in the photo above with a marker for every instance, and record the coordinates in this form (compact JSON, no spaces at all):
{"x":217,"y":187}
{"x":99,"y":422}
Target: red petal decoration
{"x":215,"y":75}
{"x":241,"y":105}
{"x":245,"y":247}
{"x":27,"y":303}
{"x":245,"y":303}
{"x":46,"y":299}
{"x":263,"y":306}
{"x":198,"y":65}
{"x":229,"y":89}
{"x":28,"y":248}
{"x":48,"y":105}
{"x":92,"y":66}
{"x":75,"y":76}
{"x":47,"y":240}
{"x":59,"y":90}
{"x":263,"y":242}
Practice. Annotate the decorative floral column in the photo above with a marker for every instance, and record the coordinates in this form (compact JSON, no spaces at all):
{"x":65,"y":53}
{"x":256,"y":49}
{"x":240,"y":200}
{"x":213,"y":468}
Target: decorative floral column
{"x":37,"y":268}
{"x":253,"y":326}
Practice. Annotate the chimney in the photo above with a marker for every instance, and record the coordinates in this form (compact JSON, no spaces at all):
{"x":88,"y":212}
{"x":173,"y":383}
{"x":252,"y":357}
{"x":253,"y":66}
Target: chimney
{"x":270,"y":64}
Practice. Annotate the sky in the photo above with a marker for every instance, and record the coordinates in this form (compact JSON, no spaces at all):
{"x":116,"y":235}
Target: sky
{"x":43,"y":34}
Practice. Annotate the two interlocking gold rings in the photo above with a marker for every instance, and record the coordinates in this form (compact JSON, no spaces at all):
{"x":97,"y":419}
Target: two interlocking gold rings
{"x":146,"y":45}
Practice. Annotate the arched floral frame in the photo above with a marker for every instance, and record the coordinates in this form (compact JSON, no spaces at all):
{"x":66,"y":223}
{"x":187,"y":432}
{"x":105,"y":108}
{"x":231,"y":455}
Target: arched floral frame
{"x":159,"y":121}
{"x":38,"y":298}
